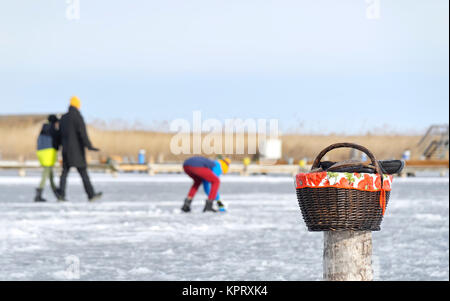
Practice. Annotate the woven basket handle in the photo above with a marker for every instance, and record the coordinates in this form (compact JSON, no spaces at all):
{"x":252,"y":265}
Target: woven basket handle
{"x":349,"y":145}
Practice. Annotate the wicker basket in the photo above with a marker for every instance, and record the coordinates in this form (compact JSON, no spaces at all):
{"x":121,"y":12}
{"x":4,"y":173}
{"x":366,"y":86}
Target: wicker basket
{"x":337,"y":209}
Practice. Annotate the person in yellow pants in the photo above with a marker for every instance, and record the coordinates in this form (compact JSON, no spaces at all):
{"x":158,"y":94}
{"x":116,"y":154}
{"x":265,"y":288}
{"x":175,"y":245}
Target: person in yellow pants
{"x":47,"y":152}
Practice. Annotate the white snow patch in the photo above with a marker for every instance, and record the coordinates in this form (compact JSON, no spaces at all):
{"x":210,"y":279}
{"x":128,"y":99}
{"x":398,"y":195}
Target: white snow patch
{"x":168,"y":252}
{"x":420,"y":180}
{"x":429,"y":217}
{"x":62,"y":275}
{"x":139,"y":271}
{"x":18,"y":275}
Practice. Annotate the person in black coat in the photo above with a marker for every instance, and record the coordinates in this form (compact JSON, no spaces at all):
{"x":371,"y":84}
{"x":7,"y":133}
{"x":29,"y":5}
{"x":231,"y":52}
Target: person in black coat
{"x":74,"y":140}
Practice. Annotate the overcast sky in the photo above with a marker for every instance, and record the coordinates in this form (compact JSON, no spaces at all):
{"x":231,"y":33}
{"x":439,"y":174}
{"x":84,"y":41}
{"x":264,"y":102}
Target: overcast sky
{"x":318,"y":66}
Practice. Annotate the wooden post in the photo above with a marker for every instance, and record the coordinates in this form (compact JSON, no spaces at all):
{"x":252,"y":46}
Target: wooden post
{"x":244,"y":171}
{"x":151,"y":170}
{"x":160,"y":158}
{"x":347,"y":256}
{"x":22,"y":170}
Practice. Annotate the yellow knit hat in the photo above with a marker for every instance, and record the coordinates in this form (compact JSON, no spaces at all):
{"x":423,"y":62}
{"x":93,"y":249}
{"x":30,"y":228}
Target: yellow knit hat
{"x":225,"y":164}
{"x":75,"y":102}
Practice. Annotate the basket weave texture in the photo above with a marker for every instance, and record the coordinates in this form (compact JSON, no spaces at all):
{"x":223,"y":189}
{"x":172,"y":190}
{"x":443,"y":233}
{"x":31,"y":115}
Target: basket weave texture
{"x":339,"y":208}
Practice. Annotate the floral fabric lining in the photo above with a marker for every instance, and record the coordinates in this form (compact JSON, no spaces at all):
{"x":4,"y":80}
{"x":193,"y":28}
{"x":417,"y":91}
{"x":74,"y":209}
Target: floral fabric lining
{"x":360,"y":181}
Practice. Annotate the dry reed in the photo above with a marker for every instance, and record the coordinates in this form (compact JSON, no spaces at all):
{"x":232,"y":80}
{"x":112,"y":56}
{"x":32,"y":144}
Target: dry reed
{"x":16,"y":142}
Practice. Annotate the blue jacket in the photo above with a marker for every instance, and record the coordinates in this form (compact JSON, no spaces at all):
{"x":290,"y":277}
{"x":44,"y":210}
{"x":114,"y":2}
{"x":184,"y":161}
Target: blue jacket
{"x":217,"y":170}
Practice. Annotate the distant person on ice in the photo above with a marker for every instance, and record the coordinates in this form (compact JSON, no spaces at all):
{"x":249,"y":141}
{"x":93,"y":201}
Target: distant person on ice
{"x":47,"y":152}
{"x":74,"y":140}
{"x":207,"y":172}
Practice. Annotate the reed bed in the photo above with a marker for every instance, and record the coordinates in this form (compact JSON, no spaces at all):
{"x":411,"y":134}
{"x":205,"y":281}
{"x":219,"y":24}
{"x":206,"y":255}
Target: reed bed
{"x":19,"y":142}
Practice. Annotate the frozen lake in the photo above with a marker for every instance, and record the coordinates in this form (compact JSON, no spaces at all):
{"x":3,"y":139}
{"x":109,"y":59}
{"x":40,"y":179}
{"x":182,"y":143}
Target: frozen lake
{"x":137,"y":232}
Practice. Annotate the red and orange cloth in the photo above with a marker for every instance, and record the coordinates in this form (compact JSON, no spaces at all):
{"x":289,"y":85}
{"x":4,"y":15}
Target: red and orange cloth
{"x":346,"y":180}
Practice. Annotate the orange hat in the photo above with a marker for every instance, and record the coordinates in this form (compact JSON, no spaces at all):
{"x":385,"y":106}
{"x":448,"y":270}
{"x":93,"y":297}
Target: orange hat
{"x":225,"y":164}
{"x":75,"y":102}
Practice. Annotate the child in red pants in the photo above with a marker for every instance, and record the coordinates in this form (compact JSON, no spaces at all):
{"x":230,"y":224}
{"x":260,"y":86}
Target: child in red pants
{"x":207,"y":172}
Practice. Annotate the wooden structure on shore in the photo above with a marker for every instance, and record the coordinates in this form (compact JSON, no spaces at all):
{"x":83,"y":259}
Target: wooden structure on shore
{"x":435,"y":143}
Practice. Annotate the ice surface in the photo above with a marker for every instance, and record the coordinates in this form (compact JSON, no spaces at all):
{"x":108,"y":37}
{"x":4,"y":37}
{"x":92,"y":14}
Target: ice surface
{"x":137,"y":232}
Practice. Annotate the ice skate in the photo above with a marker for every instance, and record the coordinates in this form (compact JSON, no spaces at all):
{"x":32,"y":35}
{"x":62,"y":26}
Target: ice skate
{"x":187,"y":206}
{"x":221,"y":206}
{"x":38,"y":198}
{"x":59,"y":195}
{"x":209,"y":206}
{"x":95,"y":197}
